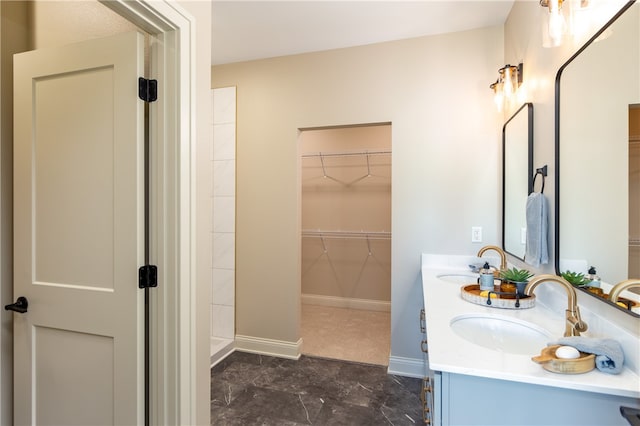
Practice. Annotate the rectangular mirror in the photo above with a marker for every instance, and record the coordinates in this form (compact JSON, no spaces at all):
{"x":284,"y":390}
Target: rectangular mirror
{"x":596,"y":206}
{"x":517,"y":178}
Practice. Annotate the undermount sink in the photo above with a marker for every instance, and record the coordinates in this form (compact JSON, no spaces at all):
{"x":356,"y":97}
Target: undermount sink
{"x":459,"y":278}
{"x":502,"y":334}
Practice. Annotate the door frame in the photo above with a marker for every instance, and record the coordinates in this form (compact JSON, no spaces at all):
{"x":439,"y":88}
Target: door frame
{"x":173,"y":130}
{"x":177,"y":396}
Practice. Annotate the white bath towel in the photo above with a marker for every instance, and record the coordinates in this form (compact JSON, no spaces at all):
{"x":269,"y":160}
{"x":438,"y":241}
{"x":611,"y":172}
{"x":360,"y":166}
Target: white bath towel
{"x":537,"y":212}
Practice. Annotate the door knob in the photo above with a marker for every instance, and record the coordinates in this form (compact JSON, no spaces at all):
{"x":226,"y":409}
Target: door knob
{"x":20,"y":306}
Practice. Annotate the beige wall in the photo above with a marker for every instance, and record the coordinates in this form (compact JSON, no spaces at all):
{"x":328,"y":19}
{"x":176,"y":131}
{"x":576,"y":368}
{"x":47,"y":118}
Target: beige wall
{"x":56,"y":23}
{"x":445,"y":136}
{"x":351,"y":193}
{"x":435,"y":92}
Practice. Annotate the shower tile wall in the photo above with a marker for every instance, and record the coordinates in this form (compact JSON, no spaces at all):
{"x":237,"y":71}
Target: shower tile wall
{"x":223,"y":153}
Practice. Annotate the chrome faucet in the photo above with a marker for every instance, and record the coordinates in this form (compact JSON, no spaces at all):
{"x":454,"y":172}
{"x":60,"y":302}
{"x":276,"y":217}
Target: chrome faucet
{"x":615,"y":291}
{"x":503,"y":256}
{"x":574,"y":324}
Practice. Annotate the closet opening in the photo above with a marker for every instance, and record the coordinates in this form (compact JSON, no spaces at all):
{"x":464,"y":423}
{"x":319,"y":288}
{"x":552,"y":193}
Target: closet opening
{"x":346,"y":242}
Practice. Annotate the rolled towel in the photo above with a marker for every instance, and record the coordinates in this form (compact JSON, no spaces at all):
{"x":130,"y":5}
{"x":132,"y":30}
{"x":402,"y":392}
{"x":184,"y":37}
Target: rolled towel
{"x":608,"y":352}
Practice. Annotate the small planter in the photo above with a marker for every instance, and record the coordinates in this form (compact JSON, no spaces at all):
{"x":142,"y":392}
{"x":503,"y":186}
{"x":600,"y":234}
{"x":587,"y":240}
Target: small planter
{"x":513,"y":287}
{"x":514,"y":281}
{"x":574,"y":278}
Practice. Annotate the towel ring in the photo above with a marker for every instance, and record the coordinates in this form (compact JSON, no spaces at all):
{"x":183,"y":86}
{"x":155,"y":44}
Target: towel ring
{"x":541,"y":171}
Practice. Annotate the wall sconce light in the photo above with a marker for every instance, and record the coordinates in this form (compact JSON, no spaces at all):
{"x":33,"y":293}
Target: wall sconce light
{"x":507,"y":84}
{"x":554,"y":24}
{"x":561,"y":18}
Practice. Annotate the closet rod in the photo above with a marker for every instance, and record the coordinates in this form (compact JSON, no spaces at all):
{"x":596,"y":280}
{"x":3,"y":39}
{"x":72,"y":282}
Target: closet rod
{"x":347,"y":234}
{"x":345,"y":154}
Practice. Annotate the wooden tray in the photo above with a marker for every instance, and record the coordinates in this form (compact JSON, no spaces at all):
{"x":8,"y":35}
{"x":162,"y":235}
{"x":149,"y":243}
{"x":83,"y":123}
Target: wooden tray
{"x":550,"y":362}
{"x":472,"y":293}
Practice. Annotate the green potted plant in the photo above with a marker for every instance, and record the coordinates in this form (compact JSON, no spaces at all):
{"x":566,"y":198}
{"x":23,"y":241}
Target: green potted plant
{"x":514,"y":279}
{"x":575,"y":278}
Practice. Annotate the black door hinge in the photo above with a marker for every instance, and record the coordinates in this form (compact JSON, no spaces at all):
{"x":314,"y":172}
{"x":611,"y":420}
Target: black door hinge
{"x":147,"y":89}
{"x":148,"y":276}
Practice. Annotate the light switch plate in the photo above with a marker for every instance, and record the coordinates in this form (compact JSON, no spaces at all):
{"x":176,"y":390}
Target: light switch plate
{"x":476,"y":234}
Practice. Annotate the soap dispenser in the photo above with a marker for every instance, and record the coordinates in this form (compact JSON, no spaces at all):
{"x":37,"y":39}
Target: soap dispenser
{"x":486,"y":277}
{"x":593,"y":280}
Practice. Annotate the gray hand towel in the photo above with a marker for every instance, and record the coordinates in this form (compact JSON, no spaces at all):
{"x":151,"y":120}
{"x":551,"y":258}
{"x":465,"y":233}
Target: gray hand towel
{"x":608,"y":352}
{"x":537,"y":212}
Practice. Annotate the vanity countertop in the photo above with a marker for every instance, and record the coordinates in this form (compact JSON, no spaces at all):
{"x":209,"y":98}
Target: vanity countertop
{"x":450,"y":353}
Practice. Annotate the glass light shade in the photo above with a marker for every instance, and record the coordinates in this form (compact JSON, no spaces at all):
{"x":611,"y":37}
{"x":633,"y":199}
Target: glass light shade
{"x":498,"y":95}
{"x":509,"y":76}
{"x":580,"y":22}
{"x":505,"y":88}
{"x":554,"y":22}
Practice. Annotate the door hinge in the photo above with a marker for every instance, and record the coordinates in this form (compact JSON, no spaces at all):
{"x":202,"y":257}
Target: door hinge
{"x":147,"y":89}
{"x":148,"y":276}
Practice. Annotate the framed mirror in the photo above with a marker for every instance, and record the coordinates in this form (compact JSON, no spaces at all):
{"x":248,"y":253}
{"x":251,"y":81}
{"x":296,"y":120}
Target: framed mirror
{"x":597,"y":214}
{"x":517,"y":178}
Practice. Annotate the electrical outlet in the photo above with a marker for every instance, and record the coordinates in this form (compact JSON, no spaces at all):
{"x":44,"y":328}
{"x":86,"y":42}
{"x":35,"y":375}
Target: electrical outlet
{"x":476,"y":234}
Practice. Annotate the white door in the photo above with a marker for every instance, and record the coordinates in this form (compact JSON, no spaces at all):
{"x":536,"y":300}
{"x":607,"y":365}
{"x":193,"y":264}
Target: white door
{"x":79,"y":234}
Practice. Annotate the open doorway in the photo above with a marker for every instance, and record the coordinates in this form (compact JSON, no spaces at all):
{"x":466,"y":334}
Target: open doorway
{"x":346,"y":242}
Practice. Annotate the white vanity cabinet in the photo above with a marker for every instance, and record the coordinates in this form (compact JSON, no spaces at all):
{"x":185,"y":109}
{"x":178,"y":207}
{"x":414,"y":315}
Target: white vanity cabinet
{"x":467,"y":383}
{"x":471,"y":400}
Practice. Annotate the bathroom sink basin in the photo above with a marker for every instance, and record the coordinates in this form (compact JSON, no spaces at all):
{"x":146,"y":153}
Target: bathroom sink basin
{"x":459,"y":278}
{"x":502,"y":334}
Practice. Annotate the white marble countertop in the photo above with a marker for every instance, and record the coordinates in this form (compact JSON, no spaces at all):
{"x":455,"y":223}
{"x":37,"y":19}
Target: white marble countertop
{"x":449,"y":352}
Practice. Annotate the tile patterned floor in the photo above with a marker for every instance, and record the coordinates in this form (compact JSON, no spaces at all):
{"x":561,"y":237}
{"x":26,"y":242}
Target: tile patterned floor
{"x":346,"y":334}
{"x":250,"y":389}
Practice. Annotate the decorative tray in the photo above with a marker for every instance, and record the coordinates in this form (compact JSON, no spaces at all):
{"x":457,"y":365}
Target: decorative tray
{"x":472,"y":293}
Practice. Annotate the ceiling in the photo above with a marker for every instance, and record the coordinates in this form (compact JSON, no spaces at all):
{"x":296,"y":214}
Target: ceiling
{"x":249,"y":30}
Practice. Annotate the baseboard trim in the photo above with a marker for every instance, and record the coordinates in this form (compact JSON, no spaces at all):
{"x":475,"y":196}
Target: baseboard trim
{"x":346,"y":302}
{"x":408,"y":367}
{"x":221,"y":353}
{"x":277,"y":348}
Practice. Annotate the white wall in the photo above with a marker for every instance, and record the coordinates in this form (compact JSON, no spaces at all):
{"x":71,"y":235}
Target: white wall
{"x":223,"y":157}
{"x":435,"y":92}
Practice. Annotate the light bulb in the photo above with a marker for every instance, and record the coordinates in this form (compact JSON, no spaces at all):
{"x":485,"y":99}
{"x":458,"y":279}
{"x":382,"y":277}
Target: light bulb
{"x":508,"y":82}
{"x":498,"y":96}
{"x":499,"y":100}
{"x":509,"y":78}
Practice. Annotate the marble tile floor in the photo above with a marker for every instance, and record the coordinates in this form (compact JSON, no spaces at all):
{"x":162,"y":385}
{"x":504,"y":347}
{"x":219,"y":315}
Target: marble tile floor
{"x":346,"y":334}
{"x":251,"y":389}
